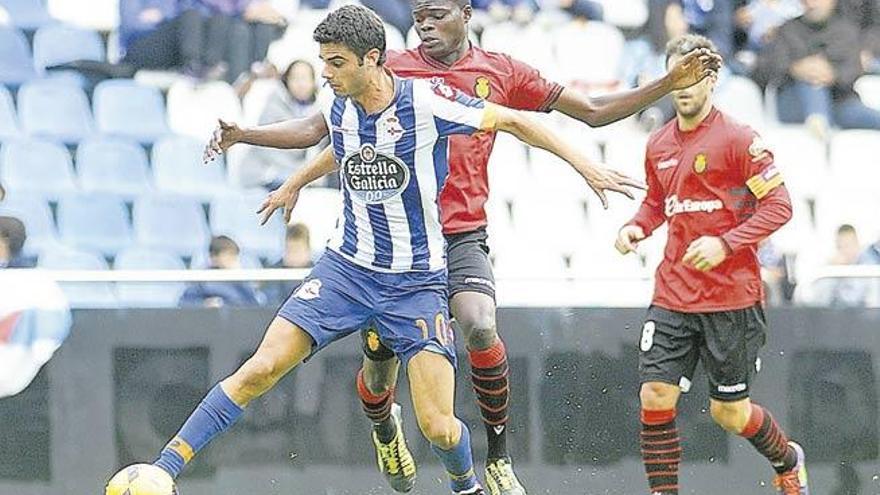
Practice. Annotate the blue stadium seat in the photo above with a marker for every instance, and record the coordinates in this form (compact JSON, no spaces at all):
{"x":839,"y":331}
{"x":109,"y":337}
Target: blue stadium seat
{"x":57,"y":44}
{"x":55,"y":110}
{"x":42,"y":168}
{"x":170,"y":223}
{"x":96,"y":222}
{"x":148,"y":295}
{"x":37,"y":218}
{"x":80,"y":294}
{"x":8,"y":119}
{"x":236,"y":217}
{"x":26,"y":14}
{"x":16,"y":64}
{"x":113,"y":166}
{"x":128,"y":109}
{"x":178,"y":169}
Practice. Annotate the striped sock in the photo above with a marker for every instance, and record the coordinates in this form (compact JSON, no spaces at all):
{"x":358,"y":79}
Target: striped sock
{"x":489,"y":374}
{"x":214,"y":415}
{"x":764,"y":433}
{"x":661,"y":450}
{"x":377,"y":408}
{"x":459,"y":462}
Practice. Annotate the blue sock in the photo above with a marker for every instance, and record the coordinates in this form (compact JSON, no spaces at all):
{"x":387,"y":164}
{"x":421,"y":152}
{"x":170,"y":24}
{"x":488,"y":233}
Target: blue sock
{"x":459,"y":462}
{"x":214,"y":415}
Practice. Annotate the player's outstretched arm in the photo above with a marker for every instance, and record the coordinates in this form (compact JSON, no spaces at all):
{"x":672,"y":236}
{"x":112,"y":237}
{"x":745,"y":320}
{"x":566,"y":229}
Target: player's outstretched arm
{"x":604,"y":110}
{"x":286,"y":196}
{"x":289,"y":134}
{"x":529,"y":131}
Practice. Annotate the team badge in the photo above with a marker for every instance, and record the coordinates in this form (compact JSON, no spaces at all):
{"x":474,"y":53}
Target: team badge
{"x":482,"y":88}
{"x":758,"y":147}
{"x":309,"y":290}
{"x":391,"y":128}
{"x":700,"y":163}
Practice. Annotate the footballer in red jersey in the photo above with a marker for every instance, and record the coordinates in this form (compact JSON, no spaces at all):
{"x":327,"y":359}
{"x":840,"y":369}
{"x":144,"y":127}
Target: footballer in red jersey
{"x":714,"y":183}
{"x":445,"y":53}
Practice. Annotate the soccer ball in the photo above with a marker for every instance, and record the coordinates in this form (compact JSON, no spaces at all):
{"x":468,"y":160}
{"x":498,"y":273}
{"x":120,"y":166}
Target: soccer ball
{"x":141,"y":479}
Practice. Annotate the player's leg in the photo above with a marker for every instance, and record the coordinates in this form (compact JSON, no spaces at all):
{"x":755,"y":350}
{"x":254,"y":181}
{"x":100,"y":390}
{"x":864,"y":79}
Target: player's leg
{"x":376,"y":383}
{"x":729,"y":354}
{"x":432,"y":383}
{"x":667,"y":358}
{"x":284,"y":346}
{"x":472,"y":301}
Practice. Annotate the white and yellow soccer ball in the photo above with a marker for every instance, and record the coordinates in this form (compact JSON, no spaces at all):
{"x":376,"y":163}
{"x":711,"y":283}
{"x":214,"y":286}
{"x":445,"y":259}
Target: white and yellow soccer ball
{"x":141,"y":479}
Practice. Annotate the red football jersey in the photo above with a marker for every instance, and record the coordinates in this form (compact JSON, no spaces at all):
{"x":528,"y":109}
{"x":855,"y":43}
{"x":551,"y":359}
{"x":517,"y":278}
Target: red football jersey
{"x":717,"y":180}
{"x":497,"y":78}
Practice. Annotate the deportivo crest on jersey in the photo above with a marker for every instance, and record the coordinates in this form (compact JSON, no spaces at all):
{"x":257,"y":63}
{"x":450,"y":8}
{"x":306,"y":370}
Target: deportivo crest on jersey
{"x":390,"y":127}
{"x":482,"y":88}
{"x":309,"y":290}
{"x":700,"y":163}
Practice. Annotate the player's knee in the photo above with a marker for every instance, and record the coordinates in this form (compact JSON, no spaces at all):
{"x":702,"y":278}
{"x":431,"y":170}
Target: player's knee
{"x":257,"y":375}
{"x":658,"y":396}
{"x":732,"y":416}
{"x":478,"y":326}
{"x":441,"y":430}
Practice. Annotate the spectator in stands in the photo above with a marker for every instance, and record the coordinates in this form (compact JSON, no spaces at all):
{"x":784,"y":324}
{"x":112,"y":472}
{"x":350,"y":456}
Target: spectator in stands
{"x":842,"y":291}
{"x":774,"y":273}
{"x":12,"y":237}
{"x":866,"y":15}
{"x":297,"y":254}
{"x":294,"y":98}
{"x":761,"y":18}
{"x":814,"y":62}
{"x":249,"y":27}
{"x":2,"y":193}
{"x":224,"y":255}
{"x":871,"y":254}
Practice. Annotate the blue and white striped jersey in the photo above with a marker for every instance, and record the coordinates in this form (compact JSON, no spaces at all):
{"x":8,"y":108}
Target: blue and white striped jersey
{"x":393,"y":165}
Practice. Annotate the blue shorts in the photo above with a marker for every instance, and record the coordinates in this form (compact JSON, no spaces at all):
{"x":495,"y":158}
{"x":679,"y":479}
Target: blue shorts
{"x":409,"y":310}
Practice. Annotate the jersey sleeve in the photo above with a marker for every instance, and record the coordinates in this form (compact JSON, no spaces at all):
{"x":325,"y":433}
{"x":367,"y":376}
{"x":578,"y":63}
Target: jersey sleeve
{"x":651,"y":213}
{"x":457,"y":113}
{"x":755,"y":160}
{"x":529,"y":90}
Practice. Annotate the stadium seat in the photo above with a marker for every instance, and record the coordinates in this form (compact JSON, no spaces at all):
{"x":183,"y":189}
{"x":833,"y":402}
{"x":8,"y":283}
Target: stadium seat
{"x":55,"y":110}
{"x":868,"y":88}
{"x":127,"y":109}
{"x":318,"y":208}
{"x":249,"y":261}
{"x":178,"y":169}
{"x":193,"y":109}
{"x":114,"y":166}
{"x":625,"y":14}
{"x":80,"y":294}
{"x":36,"y":167}
{"x":591,"y":50}
{"x":236,"y":217}
{"x":26,"y":14}
{"x":170,"y":223}
{"x":563,"y":236}
{"x":508,"y":167}
{"x":148,"y":295}
{"x":296,"y":44}
{"x":742,"y":99}
{"x":835,"y":207}
{"x":853,"y":160}
{"x":16,"y":64}
{"x":37,"y":218}
{"x":394,"y":38}
{"x":8,"y":119}
{"x":254,"y":101}
{"x":57,"y":44}
{"x":625,"y":152}
{"x":94,"y":222}
{"x":801,"y":158}
{"x":528,"y":44}
{"x":101,"y":15}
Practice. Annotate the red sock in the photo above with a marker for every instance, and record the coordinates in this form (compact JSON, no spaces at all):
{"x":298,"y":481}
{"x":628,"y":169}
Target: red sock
{"x":376,"y":407}
{"x":489,"y":374}
{"x":661,"y":450}
{"x":764,"y":433}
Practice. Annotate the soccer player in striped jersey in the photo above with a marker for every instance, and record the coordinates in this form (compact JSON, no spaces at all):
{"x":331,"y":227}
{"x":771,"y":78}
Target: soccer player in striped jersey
{"x":386,"y":264}
{"x":714,"y":182}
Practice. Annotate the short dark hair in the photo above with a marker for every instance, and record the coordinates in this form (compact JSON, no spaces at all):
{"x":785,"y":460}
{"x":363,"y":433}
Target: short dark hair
{"x":846,"y":229}
{"x":15,"y":233}
{"x":222,"y":244}
{"x":297,"y":232}
{"x":460,"y":3}
{"x":355,"y":27}
{"x":687,"y":43}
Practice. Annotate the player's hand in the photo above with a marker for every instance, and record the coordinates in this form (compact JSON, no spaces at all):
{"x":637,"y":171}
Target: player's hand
{"x":695,"y":66}
{"x":225,"y":135}
{"x":601,"y":179}
{"x":628,"y":238}
{"x":284,"y":197}
{"x":705,"y":253}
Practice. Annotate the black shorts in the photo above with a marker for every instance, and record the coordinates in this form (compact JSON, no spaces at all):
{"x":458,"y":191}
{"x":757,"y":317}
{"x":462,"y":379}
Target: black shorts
{"x":727,"y":342}
{"x":467,"y":258}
